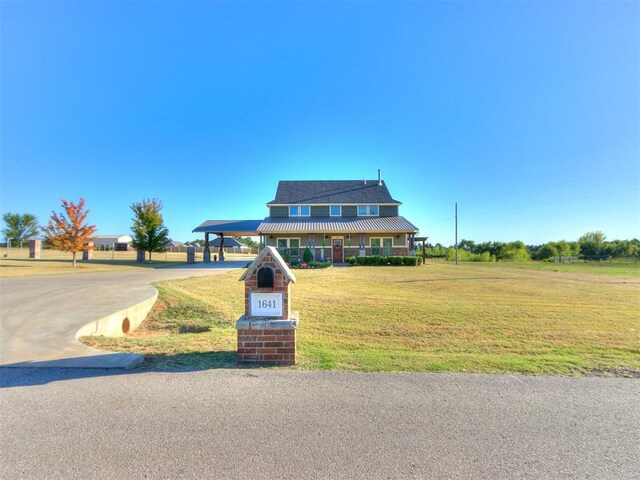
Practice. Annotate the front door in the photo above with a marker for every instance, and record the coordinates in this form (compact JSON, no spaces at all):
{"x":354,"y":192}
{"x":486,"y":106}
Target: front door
{"x":337,"y":250}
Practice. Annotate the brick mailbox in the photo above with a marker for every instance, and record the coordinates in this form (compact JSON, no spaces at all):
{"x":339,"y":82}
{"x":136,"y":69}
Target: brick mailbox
{"x":267,"y":330}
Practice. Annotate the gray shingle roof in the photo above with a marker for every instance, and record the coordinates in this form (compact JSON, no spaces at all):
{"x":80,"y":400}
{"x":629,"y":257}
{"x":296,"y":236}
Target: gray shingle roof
{"x":331,"y":191}
{"x":228,"y":242}
{"x":335,"y":224}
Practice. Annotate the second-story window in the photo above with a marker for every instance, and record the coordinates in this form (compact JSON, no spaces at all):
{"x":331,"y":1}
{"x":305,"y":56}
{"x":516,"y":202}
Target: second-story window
{"x":299,"y":210}
{"x":335,"y":210}
{"x":368,"y":210}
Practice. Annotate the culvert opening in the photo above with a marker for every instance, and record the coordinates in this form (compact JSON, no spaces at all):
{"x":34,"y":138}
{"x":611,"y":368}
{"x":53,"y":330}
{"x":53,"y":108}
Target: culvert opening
{"x":126,"y":325}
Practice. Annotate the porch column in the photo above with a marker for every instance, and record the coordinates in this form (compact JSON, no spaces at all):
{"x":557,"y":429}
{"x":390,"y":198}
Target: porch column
{"x":412,"y":248}
{"x":221,"y":251}
{"x":206,"y":255}
{"x":363,"y":250}
{"x":312,"y":244}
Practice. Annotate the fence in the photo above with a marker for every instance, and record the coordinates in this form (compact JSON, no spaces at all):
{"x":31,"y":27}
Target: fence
{"x":179,"y":255}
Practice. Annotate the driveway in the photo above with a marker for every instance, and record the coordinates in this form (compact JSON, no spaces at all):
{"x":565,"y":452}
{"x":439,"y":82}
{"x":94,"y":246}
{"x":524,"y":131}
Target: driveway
{"x":266,"y":423}
{"x":40,"y":315}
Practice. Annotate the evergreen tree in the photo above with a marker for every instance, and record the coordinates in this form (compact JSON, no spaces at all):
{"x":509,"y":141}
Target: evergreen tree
{"x":19,"y":227}
{"x":149,"y":232}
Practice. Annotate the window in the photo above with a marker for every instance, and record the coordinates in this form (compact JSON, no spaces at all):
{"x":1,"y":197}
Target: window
{"x":299,"y":210}
{"x":335,"y":210}
{"x":289,"y":246}
{"x":368,"y":210}
{"x":382,"y":246}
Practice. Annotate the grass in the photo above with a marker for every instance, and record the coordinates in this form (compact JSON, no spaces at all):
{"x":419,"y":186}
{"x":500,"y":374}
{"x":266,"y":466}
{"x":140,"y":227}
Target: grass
{"x":629,"y":268}
{"x":15,"y":262}
{"x":436,"y":318}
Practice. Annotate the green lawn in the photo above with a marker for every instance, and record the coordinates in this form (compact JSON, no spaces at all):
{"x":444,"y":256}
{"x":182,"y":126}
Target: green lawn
{"x":435,"y":318}
{"x":628,"y":268}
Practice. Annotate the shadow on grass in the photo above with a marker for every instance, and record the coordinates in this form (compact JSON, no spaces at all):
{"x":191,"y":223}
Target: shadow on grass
{"x":40,"y":373}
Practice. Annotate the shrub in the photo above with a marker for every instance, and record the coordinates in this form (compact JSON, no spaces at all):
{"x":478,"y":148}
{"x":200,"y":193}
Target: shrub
{"x":467,"y":256}
{"x":319,"y":264}
{"x":307,"y":256}
{"x":395,"y":260}
{"x":294,"y":263}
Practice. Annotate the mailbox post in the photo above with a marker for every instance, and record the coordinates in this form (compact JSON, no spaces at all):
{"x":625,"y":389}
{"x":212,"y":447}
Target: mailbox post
{"x":267,"y":330}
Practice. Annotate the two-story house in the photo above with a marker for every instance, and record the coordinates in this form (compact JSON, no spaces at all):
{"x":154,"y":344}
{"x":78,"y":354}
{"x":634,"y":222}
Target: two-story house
{"x":334,"y":218}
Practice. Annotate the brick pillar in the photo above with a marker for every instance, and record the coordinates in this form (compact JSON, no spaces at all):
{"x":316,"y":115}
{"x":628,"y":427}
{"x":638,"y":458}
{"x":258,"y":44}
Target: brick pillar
{"x":267,"y":342}
{"x":88,"y":253}
{"x":191,"y":254}
{"x":140,"y":255}
{"x":35,"y":246}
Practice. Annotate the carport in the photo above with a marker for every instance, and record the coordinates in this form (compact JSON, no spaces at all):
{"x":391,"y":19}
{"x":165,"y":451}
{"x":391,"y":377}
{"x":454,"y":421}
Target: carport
{"x":229,"y":228}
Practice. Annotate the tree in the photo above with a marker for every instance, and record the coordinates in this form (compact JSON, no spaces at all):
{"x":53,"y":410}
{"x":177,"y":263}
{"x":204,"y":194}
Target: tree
{"x":466,"y":245}
{"x":149,"y":233}
{"x":546,"y":251}
{"x":591,"y":243}
{"x":19,"y":227}
{"x":67,"y":231}
{"x":248,"y":241}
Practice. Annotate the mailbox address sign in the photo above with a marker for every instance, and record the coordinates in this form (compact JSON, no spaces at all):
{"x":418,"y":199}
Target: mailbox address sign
{"x":266,"y":304}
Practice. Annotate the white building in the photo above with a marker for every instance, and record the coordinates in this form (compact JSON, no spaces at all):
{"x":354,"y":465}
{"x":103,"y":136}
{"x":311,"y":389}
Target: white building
{"x":112,"y":242}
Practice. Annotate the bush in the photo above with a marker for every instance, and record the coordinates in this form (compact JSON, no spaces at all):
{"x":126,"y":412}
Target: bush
{"x":319,"y":264}
{"x":467,"y":256}
{"x":294,"y":263}
{"x":307,"y":256}
{"x":396,"y":260}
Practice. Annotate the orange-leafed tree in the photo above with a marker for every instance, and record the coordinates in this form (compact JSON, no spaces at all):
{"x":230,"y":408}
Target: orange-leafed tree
{"x":67,"y":230}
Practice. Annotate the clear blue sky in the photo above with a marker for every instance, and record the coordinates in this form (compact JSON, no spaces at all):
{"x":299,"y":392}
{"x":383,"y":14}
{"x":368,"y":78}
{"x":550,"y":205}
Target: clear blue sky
{"x":527,"y":114}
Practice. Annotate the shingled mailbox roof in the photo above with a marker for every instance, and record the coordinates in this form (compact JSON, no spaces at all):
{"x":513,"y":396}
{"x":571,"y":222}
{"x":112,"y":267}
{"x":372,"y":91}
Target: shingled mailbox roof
{"x":332,"y":192}
{"x":275,"y":255}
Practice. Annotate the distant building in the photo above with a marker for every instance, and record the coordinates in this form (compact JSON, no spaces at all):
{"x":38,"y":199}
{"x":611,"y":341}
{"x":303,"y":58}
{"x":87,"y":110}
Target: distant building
{"x":113,"y":242}
{"x":175,"y":243}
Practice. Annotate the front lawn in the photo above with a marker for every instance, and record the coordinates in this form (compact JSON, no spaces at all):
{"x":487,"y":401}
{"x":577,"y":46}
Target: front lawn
{"x":434,"y":318}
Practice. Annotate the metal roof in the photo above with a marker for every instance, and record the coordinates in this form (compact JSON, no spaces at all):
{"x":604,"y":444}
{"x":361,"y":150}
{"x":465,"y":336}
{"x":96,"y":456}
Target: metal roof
{"x":332,"y":192}
{"x":335,"y":224}
{"x":237,"y":228}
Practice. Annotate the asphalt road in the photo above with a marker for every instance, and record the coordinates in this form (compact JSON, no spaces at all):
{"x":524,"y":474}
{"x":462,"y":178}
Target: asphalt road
{"x":260,"y":423}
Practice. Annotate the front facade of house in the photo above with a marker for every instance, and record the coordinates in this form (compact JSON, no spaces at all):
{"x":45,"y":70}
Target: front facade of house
{"x":334,"y":218}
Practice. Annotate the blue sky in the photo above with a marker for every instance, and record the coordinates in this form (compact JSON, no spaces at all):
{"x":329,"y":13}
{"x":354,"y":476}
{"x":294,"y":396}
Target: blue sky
{"x":526,"y":113}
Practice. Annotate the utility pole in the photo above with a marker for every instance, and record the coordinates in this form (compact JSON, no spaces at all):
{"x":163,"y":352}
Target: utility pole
{"x":456,"y":233}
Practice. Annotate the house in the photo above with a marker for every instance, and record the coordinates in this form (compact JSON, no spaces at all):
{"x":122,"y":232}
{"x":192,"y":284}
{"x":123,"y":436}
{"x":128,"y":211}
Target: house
{"x":334,"y":218}
{"x":112,"y":242}
{"x":230,"y":245}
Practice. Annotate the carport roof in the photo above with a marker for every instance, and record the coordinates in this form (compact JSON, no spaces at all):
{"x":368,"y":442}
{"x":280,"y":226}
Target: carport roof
{"x":235,"y":228}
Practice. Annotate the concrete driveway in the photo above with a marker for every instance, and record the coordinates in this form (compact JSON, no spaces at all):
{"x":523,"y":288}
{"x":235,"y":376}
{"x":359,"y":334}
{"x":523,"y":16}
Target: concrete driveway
{"x":40,"y":315}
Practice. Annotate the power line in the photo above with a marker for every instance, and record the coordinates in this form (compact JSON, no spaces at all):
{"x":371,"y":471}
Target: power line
{"x":553,"y":203}
{"x":542,"y":187}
